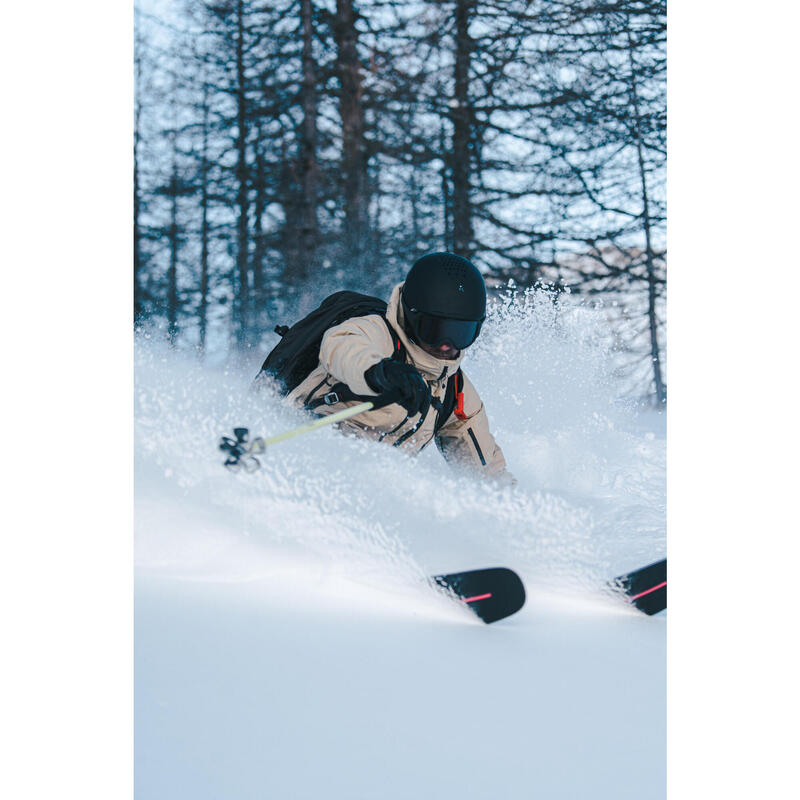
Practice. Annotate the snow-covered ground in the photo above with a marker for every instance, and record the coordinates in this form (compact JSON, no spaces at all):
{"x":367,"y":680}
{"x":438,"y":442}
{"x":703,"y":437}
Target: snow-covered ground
{"x":286,"y":645}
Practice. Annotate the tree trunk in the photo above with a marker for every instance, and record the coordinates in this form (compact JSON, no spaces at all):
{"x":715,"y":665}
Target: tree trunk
{"x":416,"y":229}
{"x":241,"y":310}
{"x":447,"y":202}
{"x":259,"y":233}
{"x":655,"y":350}
{"x":354,"y":150}
{"x":138,"y":305}
{"x":301,"y":180}
{"x":309,"y":168}
{"x":172,"y":272}
{"x":204,"y":226}
{"x":460,"y":116}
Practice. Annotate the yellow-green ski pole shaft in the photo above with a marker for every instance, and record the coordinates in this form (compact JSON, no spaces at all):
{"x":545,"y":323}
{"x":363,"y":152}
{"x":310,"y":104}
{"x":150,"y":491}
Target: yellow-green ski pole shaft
{"x":242,"y":450}
{"x":330,"y":419}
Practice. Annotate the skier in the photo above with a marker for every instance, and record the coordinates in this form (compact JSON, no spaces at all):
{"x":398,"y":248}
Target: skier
{"x":414,"y":351}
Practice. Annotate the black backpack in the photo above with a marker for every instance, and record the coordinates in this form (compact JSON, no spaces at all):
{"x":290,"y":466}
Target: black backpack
{"x":296,"y":355}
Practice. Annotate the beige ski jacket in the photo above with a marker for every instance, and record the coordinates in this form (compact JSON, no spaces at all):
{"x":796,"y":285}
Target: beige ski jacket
{"x":349,"y":349}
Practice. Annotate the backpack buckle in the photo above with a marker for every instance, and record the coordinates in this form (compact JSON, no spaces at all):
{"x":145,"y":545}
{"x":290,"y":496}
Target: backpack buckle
{"x":330,"y":399}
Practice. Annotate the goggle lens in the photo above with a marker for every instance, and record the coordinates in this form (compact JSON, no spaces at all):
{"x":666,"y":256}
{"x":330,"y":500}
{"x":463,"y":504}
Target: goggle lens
{"x":436,"y":331}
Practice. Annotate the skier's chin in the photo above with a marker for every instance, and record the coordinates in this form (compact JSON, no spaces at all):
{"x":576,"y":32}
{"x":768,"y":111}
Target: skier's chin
{"x":443,"y":352}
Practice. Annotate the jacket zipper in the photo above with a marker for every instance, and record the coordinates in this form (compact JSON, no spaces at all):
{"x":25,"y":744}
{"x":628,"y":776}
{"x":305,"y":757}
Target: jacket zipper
{"x":477,"y":446}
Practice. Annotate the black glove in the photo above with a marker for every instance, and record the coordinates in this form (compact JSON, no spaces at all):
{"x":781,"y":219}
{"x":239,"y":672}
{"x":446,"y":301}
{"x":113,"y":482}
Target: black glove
{"x":391,"y":376}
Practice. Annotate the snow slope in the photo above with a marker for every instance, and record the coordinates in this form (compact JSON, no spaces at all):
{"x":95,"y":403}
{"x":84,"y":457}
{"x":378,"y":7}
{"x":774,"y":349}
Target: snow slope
{"x":287,"y":647}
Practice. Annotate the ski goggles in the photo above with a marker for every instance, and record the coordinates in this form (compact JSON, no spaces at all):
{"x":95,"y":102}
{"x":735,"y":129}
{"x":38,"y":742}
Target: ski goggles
{"x":436,"y":331}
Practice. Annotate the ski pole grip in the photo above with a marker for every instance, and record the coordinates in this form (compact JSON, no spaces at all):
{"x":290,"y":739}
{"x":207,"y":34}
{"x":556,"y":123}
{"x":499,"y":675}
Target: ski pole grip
{"x":386,"y":399}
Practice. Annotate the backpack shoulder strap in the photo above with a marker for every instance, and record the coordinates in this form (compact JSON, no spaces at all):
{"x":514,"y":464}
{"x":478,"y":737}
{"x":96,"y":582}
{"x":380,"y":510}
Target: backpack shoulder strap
{"x":398,"y":349}
{"x":341,"y":391}
{"x":453,"y":400}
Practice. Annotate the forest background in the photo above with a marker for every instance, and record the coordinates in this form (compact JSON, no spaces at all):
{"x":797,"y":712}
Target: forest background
{"x":289,"y":148}
{"x":66,"y":329}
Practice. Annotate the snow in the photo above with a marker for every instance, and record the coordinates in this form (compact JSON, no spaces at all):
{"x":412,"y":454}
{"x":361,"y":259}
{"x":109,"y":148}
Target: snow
{"x":286,"y":644}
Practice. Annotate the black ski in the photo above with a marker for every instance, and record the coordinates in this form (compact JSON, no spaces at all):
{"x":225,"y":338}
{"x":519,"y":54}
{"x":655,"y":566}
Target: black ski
{"x":494,"y":593}
{"x":645,"y":588}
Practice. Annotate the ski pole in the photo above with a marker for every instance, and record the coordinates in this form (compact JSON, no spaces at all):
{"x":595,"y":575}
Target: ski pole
{"x":242,"y":450}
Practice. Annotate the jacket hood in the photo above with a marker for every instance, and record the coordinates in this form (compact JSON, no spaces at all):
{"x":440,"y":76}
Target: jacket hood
{"x":429,"y":365}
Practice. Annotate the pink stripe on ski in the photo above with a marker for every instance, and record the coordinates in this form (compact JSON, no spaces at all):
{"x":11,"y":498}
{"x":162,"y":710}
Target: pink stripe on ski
{"x":647,"y":591}
{"x":476,"y":598}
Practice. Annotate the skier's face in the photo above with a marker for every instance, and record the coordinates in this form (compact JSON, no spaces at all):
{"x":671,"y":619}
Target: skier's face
{"x":445,"y":352}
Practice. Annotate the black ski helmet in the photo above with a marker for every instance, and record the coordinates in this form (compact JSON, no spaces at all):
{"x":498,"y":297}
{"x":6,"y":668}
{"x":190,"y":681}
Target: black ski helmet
{"x":444,"y":300}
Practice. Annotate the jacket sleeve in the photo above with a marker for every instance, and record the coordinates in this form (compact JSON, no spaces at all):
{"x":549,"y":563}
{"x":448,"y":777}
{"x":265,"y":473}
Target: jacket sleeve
{"x":349,"y":349}
{"x":469,"y":442}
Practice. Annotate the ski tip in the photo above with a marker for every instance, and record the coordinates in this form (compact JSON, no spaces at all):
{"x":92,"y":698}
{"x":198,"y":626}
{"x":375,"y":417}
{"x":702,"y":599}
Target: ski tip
{"x":644,"y":588}
{"x":491,"y":594}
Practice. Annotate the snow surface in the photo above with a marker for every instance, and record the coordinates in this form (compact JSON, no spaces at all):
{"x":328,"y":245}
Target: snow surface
{"x":286,"y":645}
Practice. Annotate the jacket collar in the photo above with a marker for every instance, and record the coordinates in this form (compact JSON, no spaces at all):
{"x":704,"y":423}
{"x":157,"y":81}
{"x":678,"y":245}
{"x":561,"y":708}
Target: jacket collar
{"x":430,"y":367}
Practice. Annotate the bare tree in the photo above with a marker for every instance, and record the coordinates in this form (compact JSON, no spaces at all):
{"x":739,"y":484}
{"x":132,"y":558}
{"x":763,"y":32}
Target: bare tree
{"x":352,"y":137}
{"x":308,"y":167}
{"x":461,"y":116}
{"x":354,"y":145}
{"x":138,"y":304}
{"x":205,"y":226}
